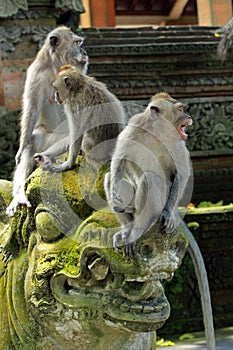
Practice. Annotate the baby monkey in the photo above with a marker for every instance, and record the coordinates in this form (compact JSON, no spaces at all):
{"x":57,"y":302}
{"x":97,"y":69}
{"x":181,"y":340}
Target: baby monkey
{"x":95,"y":119}
{"x":149,"y":171}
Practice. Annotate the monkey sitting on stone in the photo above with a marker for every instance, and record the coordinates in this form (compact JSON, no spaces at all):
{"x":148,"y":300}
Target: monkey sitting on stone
{"x":95,"y":118}
{"x":41,"y":120}
{"x":149,"y":171}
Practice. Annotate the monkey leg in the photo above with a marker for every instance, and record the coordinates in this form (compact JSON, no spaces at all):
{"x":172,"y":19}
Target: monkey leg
{"x":169,"y":215}
{"x":124,"y":218}
{"x":150,"y":199}
{"x":22,"y":171}
{"x":120,"y":196}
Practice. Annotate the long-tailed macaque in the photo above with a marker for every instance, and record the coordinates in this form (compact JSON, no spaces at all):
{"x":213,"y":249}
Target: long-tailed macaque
{"x":149,"y":170}
{"x":95,"y":118}
{"x":41,"y":117}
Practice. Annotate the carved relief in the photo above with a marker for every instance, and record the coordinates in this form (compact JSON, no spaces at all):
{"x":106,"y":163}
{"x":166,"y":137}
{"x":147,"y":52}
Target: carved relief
{"x":9,"y":7}
{"x":212,"y":127}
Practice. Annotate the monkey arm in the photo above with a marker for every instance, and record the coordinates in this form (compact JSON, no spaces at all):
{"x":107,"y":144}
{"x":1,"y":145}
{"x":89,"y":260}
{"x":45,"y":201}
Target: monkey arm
{"x":32,"y":102}
{"x":56,"y":149}
{"x":27,"y":125}
{"x":45,"y":158}
{"x":74,"y":149}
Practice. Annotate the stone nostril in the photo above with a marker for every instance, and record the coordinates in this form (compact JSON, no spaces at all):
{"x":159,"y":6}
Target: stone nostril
{"x":98,"y":268}
{"x":146,"y":251}
{"x":178,"y":247}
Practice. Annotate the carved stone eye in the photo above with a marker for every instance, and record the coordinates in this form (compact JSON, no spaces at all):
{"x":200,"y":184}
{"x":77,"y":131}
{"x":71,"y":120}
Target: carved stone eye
{"x":46,"y":227}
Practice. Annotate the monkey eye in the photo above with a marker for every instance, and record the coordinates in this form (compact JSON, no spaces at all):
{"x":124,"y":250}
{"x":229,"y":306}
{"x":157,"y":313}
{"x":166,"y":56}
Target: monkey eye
{"x":155,"y":109}
{"x":180,"y":107}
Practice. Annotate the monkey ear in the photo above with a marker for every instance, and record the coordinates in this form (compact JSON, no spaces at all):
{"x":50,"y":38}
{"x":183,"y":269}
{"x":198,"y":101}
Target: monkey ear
{"x":68,"y":82}
{"x":53,"y":40}
{"x":154,"y":111}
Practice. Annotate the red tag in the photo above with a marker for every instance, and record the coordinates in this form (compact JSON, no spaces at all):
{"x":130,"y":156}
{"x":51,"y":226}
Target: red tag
{"x":51,"y":100}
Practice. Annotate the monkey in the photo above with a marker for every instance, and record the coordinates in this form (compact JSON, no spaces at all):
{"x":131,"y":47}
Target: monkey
{"x":41,"y":118}
{"x":95,"y":117}
{"x":225,"y":45}
{"x":150,"y":168}
{"x":150,"y":161}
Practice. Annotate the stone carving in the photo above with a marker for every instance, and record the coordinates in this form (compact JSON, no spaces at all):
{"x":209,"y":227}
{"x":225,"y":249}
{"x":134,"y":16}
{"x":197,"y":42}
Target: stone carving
{"x":63,"y":286}
{"x":10,"y":7}
{"x":9,"y":36}
{"x":211,"y":131}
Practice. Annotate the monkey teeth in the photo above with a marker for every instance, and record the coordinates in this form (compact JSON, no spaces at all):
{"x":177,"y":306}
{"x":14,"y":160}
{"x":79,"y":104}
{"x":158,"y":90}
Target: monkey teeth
{"x":57,"y":98}
{"x":182,"y":128}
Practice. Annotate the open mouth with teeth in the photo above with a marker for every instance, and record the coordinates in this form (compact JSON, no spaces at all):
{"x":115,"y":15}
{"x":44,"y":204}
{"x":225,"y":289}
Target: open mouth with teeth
{"x":58,"y":98}
{"x":138,"y":306}
{"x":182,"y":128}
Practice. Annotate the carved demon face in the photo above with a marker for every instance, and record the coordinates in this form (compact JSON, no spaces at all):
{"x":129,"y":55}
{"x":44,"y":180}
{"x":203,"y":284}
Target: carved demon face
{"x":84,"y":274}
{"x":74,"y":284}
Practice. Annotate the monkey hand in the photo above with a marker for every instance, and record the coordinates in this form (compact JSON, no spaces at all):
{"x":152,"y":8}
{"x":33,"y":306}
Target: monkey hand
{"x":45,"y":161}
{"x":22,"y":199}
{"x":119,"y":207}
{"x":168,"y":220}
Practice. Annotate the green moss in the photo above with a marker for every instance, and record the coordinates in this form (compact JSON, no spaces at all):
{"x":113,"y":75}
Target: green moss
{"x":69,"y":261}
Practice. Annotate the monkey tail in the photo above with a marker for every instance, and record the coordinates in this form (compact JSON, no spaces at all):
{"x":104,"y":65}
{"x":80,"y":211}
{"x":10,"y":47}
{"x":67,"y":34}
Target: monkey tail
{"x":202,"y":278}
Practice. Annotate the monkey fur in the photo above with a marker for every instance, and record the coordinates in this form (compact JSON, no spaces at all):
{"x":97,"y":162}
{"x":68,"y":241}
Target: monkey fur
{"x":41,"y":116}
{"x":149,"y":171}
{"x":95,"y":118}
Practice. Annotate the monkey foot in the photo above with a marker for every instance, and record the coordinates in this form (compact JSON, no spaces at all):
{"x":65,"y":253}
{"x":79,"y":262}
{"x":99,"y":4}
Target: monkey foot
{"x":122,"y":236}
{"x":168,"y":221}
{"x":45,"y":161}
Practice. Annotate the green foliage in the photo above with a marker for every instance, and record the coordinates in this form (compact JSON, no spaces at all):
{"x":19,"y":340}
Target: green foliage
{"x":186,"y":336}
{"x":207,"y":204}
{"x":161,"y":342}
{"x":9,"y":132}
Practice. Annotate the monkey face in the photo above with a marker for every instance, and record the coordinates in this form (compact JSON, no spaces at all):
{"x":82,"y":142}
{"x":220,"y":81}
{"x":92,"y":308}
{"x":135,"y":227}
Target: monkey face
{"x":182,"y":120}
{"x":67,"y":47}
{"x":64,"y":83}
{"x":62,"y":87}
{"x":170,"y":116}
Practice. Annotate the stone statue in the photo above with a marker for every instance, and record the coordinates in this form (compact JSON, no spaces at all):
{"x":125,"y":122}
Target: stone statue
{"x":62,"y":285}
